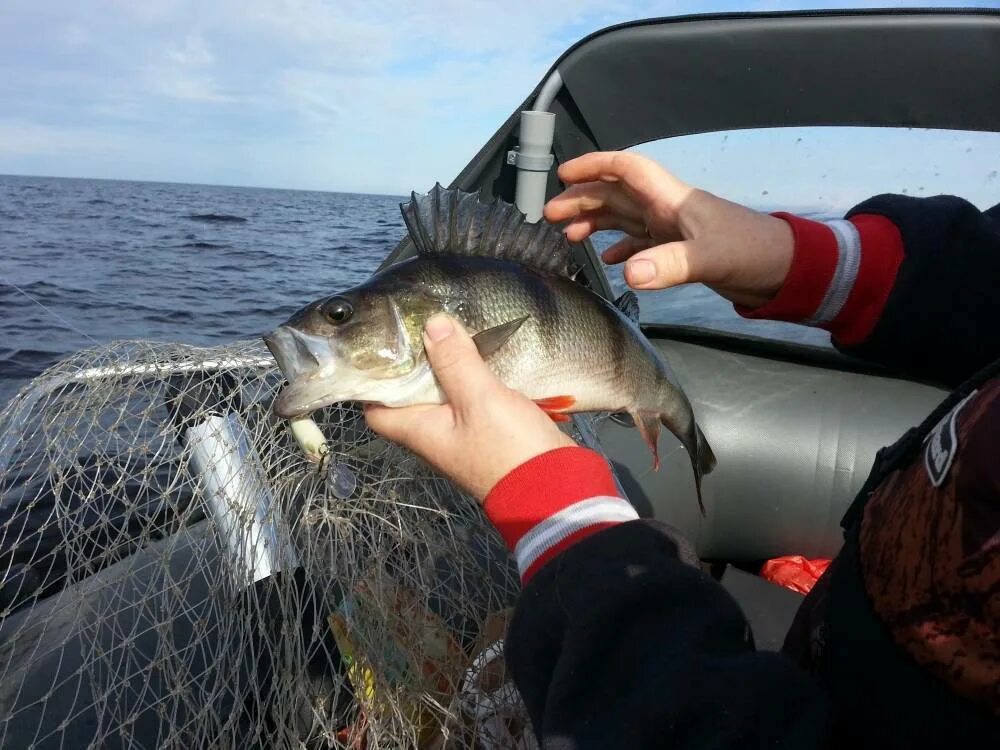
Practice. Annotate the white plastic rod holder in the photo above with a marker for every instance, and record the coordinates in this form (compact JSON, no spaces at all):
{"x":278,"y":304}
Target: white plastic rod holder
{"x":533,"y":159}
{"x":240,"y":500}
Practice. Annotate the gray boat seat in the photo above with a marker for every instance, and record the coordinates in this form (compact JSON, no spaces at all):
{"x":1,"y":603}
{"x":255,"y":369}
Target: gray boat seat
{"x":794,"y":443}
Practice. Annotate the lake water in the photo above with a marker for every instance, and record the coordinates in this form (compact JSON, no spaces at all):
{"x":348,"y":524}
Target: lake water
{"x":85,"y":261}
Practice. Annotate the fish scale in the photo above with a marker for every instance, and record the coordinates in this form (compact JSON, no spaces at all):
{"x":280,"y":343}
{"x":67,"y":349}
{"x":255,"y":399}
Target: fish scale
{"x":511,"y":285}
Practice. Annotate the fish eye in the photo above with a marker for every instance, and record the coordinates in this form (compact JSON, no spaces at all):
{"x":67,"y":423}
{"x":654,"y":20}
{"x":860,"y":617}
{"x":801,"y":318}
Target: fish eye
{"x":337,"y":311}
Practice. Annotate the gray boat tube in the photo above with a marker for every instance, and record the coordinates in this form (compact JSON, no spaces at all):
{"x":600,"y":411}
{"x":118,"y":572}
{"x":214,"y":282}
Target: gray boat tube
{"x":533,"y":155}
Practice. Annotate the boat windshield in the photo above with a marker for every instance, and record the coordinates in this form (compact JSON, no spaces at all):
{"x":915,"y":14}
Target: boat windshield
{"x":819,"y":172}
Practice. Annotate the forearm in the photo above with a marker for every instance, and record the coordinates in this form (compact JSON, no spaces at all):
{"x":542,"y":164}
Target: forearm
{"x":903,"y":281}
{"x":619,"y":640}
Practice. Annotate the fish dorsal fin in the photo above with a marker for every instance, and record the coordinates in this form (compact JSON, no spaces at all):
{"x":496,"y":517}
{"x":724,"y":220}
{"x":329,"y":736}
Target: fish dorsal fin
{"x":628,"y":304}
{"x":453,"y":222}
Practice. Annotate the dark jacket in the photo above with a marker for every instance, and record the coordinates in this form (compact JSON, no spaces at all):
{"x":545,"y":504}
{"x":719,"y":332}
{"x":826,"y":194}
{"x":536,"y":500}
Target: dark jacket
{"x":619,"y":641}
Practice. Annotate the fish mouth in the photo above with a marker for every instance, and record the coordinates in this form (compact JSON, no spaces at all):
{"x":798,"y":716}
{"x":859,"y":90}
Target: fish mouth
{"x":300,"y":355}
{"x":303,"y":397}
{"x":307,"y":361}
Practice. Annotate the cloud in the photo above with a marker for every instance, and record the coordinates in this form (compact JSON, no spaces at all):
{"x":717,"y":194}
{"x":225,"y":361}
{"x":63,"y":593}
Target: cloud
{"x":27,"y":139}
{"x":192,"y":53}
{"x":341,"y":94}
{"x":404,"y":81}
{"x":188,"y":88}
{"x":72,"y":38}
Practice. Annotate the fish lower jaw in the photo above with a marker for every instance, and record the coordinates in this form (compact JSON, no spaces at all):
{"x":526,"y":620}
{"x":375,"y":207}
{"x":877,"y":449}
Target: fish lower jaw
{"x":288,"y":411}
{"x":299,"y":400}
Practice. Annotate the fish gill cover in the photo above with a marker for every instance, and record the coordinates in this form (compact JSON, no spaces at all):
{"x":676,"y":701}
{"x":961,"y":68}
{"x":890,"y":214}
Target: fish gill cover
{"x":133,"y":611}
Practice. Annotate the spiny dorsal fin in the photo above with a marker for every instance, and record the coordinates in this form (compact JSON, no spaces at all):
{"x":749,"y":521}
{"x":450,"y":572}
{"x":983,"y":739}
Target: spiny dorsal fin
{"x":453,"y":222}
{"x":628,"y":304}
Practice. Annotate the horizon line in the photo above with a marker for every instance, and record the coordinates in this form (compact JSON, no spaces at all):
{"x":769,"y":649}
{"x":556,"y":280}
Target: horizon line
{"x":204,"y":184}
{"x":800,"y":209}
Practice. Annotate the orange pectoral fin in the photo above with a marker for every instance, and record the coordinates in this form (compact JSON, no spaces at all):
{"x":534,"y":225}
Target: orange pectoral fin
{"x":554,"y":406}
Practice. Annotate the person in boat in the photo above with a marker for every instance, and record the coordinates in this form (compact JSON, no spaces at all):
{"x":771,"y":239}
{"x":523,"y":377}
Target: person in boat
{"x":619,"y":638}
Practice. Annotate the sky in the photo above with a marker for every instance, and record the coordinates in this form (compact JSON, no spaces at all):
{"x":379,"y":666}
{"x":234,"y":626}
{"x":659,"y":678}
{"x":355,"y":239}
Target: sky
{"x":351,"y":95}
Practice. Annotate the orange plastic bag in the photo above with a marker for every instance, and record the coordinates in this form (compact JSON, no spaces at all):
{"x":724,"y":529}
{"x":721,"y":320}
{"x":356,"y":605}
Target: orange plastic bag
{"x":794,"y":572}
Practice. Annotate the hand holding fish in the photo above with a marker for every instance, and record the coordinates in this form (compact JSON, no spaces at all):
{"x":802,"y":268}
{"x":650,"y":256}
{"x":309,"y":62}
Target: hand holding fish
{"x":678,"y":234}
{"x":542,"y":336}
{"x":483,"y":431}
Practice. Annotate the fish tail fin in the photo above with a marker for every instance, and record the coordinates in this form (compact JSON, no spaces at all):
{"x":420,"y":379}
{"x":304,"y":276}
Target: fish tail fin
{"x":694,"y":441}
{"x":703,"y":462}
{"x":706,"y":456}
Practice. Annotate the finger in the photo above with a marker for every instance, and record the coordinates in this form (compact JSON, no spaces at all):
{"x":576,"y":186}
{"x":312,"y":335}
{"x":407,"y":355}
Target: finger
{"x":625,"y":248}
{"x":665,"y":266}
{"x":639,"y":175}
{"x":591,"y":197}
{"x":460,"y":371}
{"x":586,"y":224}
{"x":604,"y":166}
{"x":398,"y":424}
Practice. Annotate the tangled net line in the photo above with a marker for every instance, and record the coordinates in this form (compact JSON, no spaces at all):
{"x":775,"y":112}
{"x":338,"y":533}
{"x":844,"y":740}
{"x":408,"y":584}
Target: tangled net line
{"x":367,"y":608}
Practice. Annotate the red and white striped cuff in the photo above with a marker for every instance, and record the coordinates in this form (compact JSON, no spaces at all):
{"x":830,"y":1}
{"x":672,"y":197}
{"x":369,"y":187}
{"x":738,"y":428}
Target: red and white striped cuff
{"x":553,"y":501}
{"x":841,"y":275}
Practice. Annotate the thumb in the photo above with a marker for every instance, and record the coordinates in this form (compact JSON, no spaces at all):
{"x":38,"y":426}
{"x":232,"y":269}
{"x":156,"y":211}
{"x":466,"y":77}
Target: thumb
{"x":665,"y":266}
{"x":455,"y":360}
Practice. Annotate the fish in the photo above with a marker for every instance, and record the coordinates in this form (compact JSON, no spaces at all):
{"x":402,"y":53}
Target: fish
{"x":512,"y":285}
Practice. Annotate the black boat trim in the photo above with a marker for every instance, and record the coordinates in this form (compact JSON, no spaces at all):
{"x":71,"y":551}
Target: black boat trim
{"x":774,"y":349}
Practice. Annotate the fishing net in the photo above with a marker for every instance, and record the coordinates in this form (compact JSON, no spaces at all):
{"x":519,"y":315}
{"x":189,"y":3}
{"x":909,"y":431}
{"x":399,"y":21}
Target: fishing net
{"x":176,"y":574}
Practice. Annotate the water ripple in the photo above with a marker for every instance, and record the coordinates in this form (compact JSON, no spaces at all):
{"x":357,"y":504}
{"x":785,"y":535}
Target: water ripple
{"x":217,"y":218}
{"x":135,"y":268}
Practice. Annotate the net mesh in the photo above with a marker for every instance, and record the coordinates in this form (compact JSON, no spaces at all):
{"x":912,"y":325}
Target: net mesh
{"x":175,"y":573}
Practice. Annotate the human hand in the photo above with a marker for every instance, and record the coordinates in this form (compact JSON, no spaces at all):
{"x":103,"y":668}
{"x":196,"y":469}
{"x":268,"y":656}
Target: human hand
{"x":678,"y":234}
{"x":485,"y":429}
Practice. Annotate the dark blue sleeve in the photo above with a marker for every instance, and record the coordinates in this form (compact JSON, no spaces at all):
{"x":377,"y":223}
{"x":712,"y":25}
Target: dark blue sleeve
{"x":618,"y":642}
{"x":942,"y":318}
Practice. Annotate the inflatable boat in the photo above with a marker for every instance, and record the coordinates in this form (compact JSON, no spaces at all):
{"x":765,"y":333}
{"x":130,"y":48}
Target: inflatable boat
{"x":176,"y":573}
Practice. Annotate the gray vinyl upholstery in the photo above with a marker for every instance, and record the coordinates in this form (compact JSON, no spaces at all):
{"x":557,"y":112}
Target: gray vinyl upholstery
{"x":794,"y":444}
